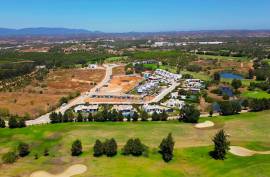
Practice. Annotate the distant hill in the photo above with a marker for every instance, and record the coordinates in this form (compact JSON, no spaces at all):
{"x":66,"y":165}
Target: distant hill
{"x":66,"y":32}
{"x":45,"y":32}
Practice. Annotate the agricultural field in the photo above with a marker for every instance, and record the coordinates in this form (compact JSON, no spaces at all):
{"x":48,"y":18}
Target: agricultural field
{"x":40,"y":96}
{"x":191,"y":156}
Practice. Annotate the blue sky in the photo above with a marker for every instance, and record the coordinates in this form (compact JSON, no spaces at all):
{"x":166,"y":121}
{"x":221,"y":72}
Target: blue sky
{"x":136,"y":15}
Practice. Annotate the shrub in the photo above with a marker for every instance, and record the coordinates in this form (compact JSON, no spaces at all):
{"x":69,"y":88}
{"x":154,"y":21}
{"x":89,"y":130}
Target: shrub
{"x":221,"y":145}
{"x":135,"y":116}
{"x":80,"y":117}
{"x":236,"y":83}
{"x":110,"y":147}
{"x":76,"y":148}
{"x":9,"y":157}
{"x":23,"y":149}
{"x":166,"y":148}
{"x":12,"y":122}
{"x":134,"y":147}
{"x":46,"y":152}
{"x":98,"y":148}
{"x":21,"y":123}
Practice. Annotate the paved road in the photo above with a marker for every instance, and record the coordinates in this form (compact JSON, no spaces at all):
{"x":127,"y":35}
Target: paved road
{"x":44,"y":119}
{"x":164,"y":93}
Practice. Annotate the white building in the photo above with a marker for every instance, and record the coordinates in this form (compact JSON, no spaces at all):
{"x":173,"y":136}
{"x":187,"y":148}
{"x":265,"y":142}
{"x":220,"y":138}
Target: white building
{"x":86,"y":108}
{"x":126,"y":110}
{"x":194,"y":83}
{"x":168,"y":75}
{"x":150,"y":109}
{"x":174,"y":103}
{"x":92,"y":66}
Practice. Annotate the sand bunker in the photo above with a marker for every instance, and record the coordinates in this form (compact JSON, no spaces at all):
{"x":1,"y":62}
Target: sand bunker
{"x":205,"y":124}
{"x":241,"y":151}
{"x":71,"y":171}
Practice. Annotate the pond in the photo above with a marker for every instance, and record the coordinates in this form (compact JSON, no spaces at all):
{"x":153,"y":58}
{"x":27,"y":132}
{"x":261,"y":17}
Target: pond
{"x":227,"y":75}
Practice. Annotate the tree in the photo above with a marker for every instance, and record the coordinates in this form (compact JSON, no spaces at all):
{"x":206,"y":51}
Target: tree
{"x":166,"y":148}
{"x":12,"y":122}
{"x":90,"y":117}
{"x":2,"y":123}
{"x":236,"y":83}
{"x":216,"y":77}
{"x":164,"y":116}
{"x":80,"y":117}
{"x":9,"y":157}
{"x":110,"y":147}
{"x":134,"y":147}
{"x":245,"y":103}
{"x":135,"y":116}
{"x":76,"y":148}
{"x":189,"y":114}
{"x":120,"y":117}
{"x":155,"y":116}
{"x":138,"y":147}
{"x":221,"y":145}
{"x":127,"y":149}
{"x":23,"y":149}
{"x":144,"y":116}
{"x":98,"y":148}
{"x":21,"y":123}
{"x":54,"y":118}
{"x":65,"y":117}
{"x":230,"y":107}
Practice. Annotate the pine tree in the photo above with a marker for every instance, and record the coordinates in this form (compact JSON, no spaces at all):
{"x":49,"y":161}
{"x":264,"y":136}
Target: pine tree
{"x":76,"y":148}
{"x":98,"y":148}
{"x":138,"y":147}
{"x":127,"y":149}
{"x":166,"y":148}
{"x":221,"y":145}
{"x":110,"y":147}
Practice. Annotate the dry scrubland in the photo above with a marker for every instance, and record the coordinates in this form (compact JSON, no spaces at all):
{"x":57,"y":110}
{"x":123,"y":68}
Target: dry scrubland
{"x":38,"y":97}
{"x":249,"y":130}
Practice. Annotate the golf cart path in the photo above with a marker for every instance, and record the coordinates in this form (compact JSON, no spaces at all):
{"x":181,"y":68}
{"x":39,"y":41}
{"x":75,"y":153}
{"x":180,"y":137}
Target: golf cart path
{"x":69,"y":172}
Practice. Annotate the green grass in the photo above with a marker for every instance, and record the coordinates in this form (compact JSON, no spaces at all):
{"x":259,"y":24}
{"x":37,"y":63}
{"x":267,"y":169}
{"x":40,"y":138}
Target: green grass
{"x":191,"y":149}
{"x":256,"y":94}
{"x":221,"y":57}
{"x":198,"y":75}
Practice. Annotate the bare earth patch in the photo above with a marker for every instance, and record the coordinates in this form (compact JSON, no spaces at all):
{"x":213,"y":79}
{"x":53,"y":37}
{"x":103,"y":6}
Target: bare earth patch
{"x":71,"y":171}
{"x":205,"y":124}
{"x":244,"y":152}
